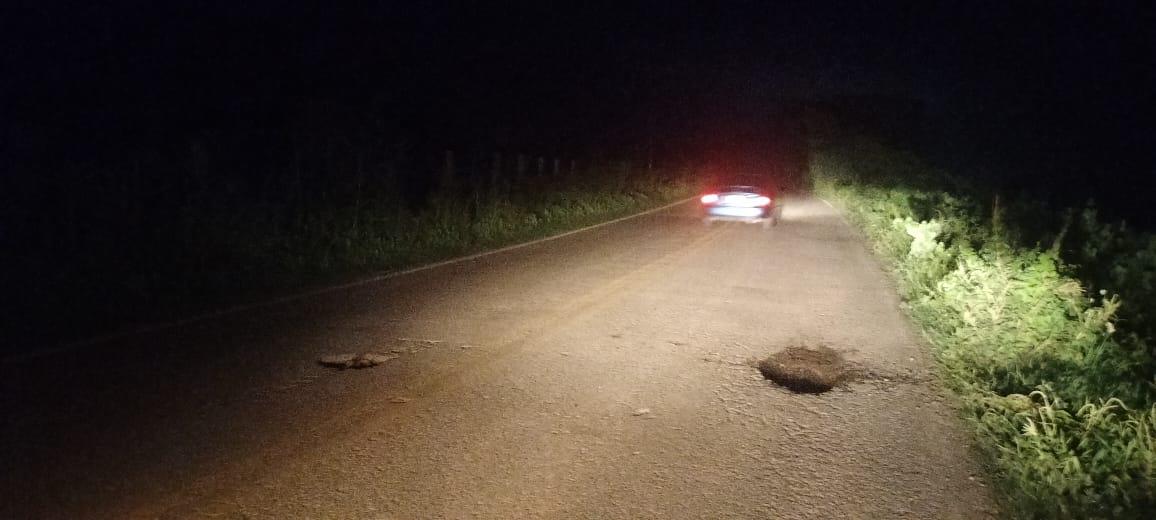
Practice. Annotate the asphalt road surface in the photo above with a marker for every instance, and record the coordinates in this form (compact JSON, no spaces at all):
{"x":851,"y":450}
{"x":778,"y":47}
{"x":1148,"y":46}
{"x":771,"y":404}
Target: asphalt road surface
{"x":601,"y":375}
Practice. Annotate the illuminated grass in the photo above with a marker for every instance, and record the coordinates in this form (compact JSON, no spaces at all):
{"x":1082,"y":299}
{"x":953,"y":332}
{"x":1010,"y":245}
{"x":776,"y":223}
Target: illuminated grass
{"x":1060,"y":390}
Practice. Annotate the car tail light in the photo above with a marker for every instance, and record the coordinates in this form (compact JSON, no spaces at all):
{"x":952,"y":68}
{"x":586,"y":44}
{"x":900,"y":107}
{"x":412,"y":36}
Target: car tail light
{"x":710,"y":198}
{"x":763,"y":201}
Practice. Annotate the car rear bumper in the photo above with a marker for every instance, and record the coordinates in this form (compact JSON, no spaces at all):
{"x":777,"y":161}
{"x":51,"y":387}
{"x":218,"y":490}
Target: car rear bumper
{"x":737,"y":214}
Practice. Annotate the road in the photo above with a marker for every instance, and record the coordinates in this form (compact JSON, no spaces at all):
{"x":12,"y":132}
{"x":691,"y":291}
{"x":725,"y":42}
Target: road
{"x":605,"y":374}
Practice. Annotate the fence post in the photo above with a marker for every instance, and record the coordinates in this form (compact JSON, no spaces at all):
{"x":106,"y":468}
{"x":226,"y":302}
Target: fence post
{"x":496,"y":175}
{"x":448,"y":173}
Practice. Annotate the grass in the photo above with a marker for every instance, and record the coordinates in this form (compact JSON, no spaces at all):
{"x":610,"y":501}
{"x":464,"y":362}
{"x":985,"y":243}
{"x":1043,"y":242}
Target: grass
{"x":1058,"y":381}
{"x":123,"y":271}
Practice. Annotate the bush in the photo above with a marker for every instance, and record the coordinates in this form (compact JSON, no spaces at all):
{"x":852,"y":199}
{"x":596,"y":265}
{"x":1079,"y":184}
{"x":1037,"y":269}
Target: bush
{"x":1060,"y":389}
{"x":226,"y":251}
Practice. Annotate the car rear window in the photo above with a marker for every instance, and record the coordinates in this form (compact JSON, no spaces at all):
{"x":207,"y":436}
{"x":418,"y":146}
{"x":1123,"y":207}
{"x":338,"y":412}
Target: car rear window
{"x":740,"y":189}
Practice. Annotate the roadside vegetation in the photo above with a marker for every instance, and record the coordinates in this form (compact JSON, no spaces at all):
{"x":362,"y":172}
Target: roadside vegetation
{"x":121,"y":247}
{"x":1041,"y":320}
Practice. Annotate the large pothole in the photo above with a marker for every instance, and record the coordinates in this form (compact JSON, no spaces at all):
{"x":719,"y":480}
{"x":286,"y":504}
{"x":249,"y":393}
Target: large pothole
{"x":811,"y":370}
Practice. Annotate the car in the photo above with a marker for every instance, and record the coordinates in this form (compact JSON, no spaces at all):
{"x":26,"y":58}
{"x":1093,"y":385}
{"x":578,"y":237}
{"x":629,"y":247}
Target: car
{"x":740,"y":203}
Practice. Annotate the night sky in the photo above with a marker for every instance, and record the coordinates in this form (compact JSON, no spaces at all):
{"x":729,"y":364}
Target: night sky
{"x":1036,"y":91}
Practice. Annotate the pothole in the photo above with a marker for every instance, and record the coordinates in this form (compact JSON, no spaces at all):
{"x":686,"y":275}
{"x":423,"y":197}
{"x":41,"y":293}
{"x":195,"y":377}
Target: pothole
{"x":811,"y":370}
{"x":343,"y":361}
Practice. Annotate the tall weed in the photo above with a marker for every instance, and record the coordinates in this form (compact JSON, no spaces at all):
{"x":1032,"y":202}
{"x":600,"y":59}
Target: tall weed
{"x":1058,"y":386}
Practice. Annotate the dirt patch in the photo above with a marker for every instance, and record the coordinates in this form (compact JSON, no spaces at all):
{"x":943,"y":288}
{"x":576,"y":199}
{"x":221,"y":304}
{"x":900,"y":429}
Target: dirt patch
{"x":811,"y":370}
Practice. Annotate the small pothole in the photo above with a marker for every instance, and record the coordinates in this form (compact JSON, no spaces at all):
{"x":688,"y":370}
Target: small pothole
{"x":811,"y":370}
{"x":343,"y":361}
